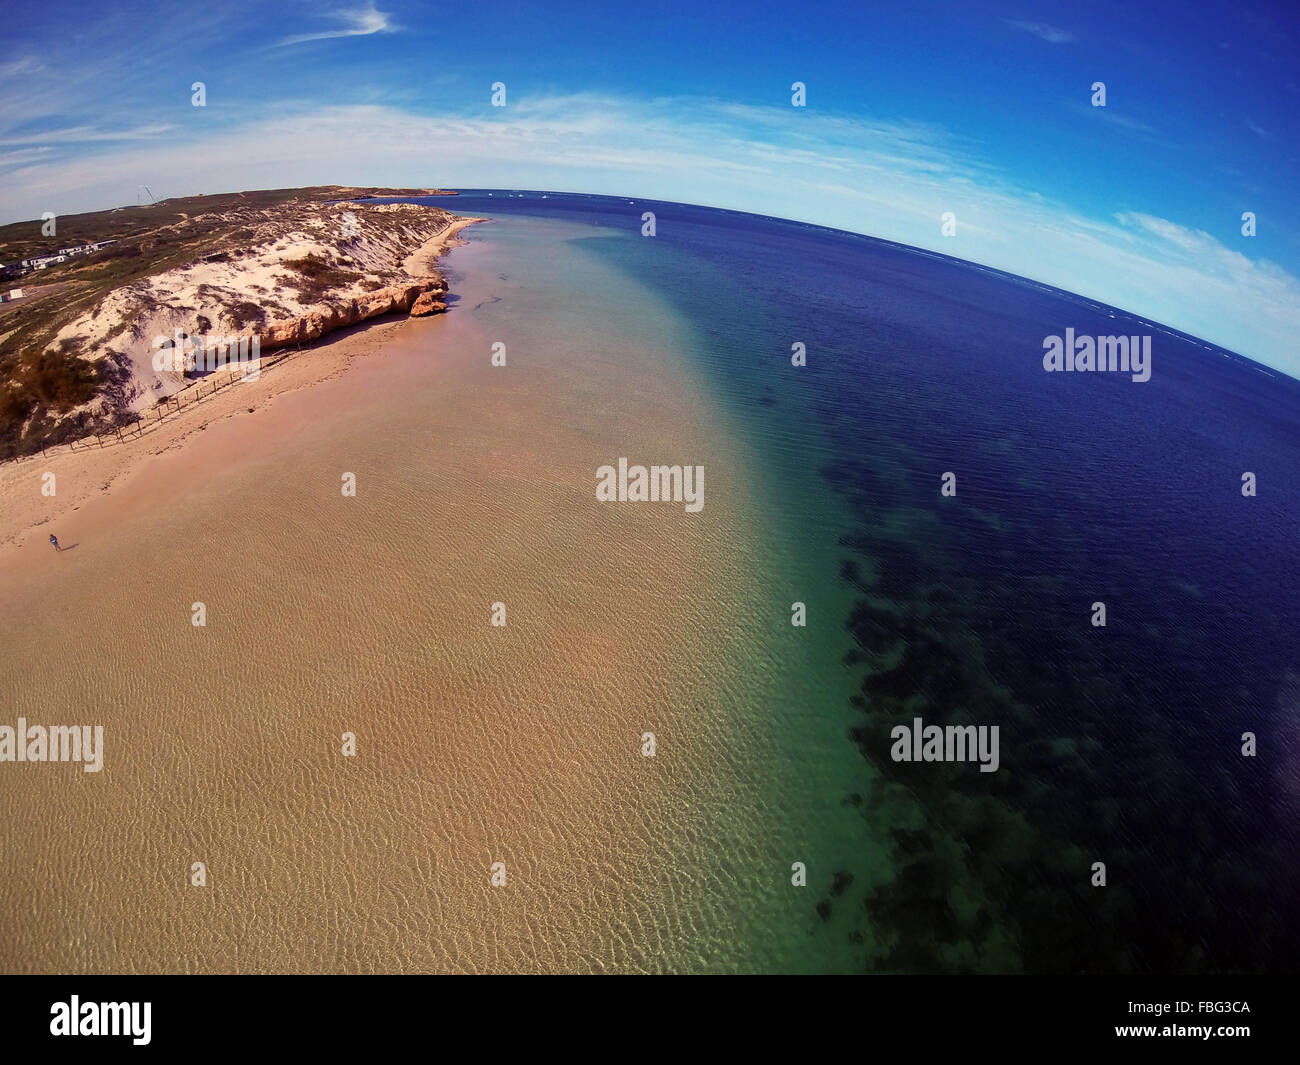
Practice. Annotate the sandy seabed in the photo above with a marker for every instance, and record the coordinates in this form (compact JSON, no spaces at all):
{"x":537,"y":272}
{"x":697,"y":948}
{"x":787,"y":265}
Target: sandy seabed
{"x":328,"y":614}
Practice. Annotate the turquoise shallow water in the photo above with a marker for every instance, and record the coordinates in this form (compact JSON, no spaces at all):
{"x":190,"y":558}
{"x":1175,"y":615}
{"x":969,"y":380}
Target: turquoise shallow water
{"x":781,"y":692}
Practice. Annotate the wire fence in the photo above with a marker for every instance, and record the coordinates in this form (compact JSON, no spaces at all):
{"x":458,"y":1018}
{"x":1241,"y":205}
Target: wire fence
{"x":167,"y":406}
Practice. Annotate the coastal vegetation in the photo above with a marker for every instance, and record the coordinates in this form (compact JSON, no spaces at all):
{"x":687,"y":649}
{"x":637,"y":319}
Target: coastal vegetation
{"x":73,"y":349}
{"x":317,"y":277}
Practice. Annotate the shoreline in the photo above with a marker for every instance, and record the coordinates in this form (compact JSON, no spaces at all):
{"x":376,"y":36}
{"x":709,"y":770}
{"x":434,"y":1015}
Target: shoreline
{"x":92,"y":473}
{"x":421,"y":261}
{"x":368,"y":613}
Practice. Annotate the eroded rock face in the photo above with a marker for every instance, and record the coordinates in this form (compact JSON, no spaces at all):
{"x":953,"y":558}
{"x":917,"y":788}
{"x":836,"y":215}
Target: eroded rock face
{"x":428,"y":303}
{"x":421,"y":297}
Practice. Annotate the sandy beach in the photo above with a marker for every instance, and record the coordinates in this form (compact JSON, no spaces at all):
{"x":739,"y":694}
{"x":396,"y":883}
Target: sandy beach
{"x":92,"y":472}
{"x":370,"y":615}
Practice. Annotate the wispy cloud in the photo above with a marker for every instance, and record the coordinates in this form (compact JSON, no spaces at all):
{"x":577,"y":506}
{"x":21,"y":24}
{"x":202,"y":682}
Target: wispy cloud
{"x":1119,"y":120}
{"x":888,"y":179}
{"x":1172,"y":233}
{"x":1050,"y":34}
{"x":1127,"y":122}
{"x":86,"y":135}
{"x":1258,"y":130}
{"x":357,"y":22}
{"x":1122,"y":121}
{"x":23,"y":156}
{"x":18,"y":68}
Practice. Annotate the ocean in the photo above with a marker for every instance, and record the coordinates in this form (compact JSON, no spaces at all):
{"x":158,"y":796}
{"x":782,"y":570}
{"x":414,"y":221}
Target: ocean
{"x":1120,"y":744}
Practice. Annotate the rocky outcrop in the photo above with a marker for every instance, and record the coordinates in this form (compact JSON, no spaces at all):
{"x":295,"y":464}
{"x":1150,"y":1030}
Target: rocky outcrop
{"x":428,"y":303}
{"x":428,"y":292}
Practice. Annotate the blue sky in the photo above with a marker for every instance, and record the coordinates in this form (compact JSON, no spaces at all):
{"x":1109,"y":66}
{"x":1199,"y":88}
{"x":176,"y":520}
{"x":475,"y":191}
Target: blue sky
{"x":913,"y":110}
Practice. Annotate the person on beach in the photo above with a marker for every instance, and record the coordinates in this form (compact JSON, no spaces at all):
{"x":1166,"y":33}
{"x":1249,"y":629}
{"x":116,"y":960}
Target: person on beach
{"x":55,"y":541}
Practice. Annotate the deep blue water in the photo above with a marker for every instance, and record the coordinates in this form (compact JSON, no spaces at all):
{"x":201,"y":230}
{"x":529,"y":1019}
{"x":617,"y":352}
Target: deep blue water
{"x":1121,"y":744}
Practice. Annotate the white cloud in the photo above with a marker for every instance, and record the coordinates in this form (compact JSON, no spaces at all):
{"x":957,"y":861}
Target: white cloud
{"x":891,"y":180}
{"x":357,"y":22}
{"x":20,"y":68}
{"x":86,"y":135}
{"x":23,"y":155}
{"x":1050,"y":34}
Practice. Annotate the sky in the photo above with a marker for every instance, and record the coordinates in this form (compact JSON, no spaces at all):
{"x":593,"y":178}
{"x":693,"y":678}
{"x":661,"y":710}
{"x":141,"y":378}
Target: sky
{"x":915,"y":109}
